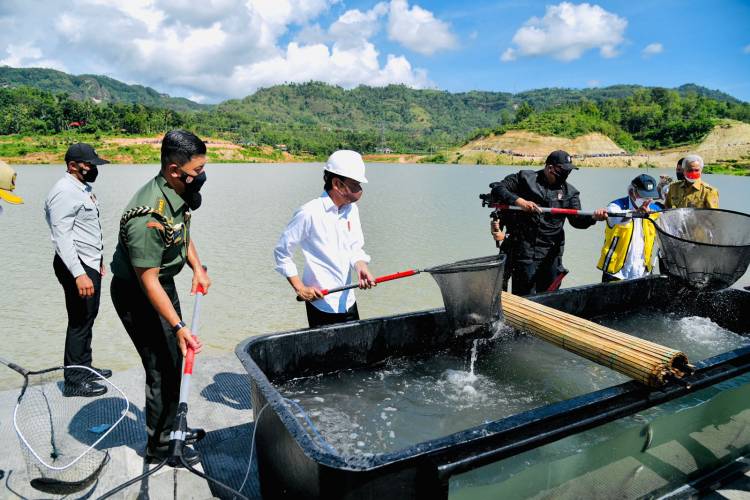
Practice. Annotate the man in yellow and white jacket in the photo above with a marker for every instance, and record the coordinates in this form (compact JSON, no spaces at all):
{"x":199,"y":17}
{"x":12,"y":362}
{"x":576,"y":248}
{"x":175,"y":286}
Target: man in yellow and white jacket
{"x":628,"y":251}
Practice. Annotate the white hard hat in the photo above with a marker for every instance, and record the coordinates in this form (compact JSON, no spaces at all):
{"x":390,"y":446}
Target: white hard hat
{"x":347,"y":164}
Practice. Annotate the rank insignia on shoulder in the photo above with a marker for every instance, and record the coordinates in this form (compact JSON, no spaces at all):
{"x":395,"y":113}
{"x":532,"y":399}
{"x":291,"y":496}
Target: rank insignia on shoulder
{"x":160,"y":206}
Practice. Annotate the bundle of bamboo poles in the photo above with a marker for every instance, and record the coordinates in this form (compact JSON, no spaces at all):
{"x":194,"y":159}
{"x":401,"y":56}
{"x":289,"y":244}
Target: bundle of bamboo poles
{"x":647,"y":362}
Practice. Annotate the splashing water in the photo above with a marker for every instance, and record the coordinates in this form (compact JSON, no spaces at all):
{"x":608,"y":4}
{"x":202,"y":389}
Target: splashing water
{"x":473,"y":356}
{"x":405,"y":401}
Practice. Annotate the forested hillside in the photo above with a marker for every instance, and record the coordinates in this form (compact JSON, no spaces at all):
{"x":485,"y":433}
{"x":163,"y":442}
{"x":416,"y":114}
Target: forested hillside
{"x":316,"y":118}
{"x":654,"y":118}
{"x":96,"y":88}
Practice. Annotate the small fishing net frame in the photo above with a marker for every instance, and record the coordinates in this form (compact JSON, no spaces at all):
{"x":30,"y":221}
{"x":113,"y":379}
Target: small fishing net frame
{"x":54,"y":430}
{"x":707,"y":249}
{"x":471,"y":291}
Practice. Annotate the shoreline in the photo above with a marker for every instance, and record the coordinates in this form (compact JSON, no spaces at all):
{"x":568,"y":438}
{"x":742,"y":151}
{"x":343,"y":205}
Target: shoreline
{"x":50,"y":150}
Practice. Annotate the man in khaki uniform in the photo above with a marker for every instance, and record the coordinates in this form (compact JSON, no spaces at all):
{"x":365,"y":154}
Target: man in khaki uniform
{"x":154,"y":245}
{"x":692,"y":191}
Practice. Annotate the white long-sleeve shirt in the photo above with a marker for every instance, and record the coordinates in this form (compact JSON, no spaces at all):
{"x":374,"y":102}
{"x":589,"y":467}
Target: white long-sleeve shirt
{"x":331,"y":241}
{"x":72,"y":213}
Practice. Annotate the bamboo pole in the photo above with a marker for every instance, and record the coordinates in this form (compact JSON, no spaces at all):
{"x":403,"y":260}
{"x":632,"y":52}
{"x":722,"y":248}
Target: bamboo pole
{"x":648,"y":362}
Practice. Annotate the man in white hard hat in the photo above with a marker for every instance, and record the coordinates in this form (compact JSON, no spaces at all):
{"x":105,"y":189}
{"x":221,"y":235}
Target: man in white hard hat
{"x":8,"y":185}
{"x":328,"y":231}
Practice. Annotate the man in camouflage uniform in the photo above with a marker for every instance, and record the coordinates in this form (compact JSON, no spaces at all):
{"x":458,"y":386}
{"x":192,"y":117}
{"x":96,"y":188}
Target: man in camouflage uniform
{"x":154,"y":245}
{"x":692,"y":191}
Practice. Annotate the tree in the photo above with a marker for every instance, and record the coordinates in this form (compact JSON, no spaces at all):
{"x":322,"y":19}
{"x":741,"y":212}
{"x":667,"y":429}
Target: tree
{"x":524,"y":111}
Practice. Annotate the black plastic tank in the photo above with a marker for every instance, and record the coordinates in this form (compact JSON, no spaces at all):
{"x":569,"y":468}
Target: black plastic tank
{"x":497,"y":458}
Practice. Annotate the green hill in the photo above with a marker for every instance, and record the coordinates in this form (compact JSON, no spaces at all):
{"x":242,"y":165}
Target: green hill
{"x":92,"y":87}
{"x":317,"y":118}
{"x":541,"y":99}
{"x":650,"y":118}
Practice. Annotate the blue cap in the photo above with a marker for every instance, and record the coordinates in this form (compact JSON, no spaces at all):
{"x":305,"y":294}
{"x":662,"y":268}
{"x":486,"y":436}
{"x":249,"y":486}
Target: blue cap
{"x":645,"y":185}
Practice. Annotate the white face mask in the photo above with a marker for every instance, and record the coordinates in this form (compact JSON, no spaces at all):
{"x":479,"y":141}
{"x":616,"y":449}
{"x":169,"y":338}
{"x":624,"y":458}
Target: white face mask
{"x":637,"y":201}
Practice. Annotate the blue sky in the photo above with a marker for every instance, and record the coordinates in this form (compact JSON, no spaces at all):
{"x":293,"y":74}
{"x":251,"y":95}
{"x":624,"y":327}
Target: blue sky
{"x":230,"y":48}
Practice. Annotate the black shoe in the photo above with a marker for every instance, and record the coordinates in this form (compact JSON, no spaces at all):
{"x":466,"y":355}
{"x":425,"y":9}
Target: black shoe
{"x":85,"y":389}
{"x":103,"y":372}
{"x":192,"y":436}
{"x":190,"y":456}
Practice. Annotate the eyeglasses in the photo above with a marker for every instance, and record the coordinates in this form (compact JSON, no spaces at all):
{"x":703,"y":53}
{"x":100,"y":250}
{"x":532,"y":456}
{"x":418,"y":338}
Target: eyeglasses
{"x":353,"y":185}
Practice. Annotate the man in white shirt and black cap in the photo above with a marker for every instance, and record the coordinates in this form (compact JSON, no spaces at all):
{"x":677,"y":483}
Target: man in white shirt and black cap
{"x":328,"y":232}
{"x":72,"y":213}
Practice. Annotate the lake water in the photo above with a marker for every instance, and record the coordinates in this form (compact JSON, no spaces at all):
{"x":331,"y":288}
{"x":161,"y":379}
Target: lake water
{"x":412,"y":216}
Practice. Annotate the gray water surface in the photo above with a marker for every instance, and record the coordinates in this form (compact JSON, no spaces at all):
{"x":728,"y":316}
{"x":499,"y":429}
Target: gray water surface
{"x":412,"y":216}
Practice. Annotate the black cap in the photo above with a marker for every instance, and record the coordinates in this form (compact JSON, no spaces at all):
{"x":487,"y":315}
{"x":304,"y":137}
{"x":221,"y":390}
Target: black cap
{"x":561,"y":158}
{"x":646,"y":186}
{"x":84,"y":153}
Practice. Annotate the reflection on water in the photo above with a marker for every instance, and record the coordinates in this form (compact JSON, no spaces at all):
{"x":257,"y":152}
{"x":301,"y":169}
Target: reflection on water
{"x":645,"y":455}
{"x":412,"y":215}
{"x":407,"y":401}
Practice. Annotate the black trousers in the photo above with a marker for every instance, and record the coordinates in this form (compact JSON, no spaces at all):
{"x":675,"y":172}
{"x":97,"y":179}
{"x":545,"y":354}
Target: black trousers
{"x":160,"y":355}
{"x":316,"y":317}
{"x":531,"y":276}
{"x":507,"y":250}
{"x":81,"y":315}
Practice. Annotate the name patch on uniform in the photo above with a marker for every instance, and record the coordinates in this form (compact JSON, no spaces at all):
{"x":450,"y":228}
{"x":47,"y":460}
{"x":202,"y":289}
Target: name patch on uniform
{"x":559,"y":196}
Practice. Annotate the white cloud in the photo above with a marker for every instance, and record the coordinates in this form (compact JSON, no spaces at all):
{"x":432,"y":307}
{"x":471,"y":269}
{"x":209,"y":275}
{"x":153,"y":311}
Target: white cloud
{"x":418,"y":29}
{"x":346,"y":67}
{"x":29,"y":56}
{"x":508,"y":55}
{"x":652,"y":49}
{"x":593,"y":83}
{"x":355,"y":27}
{"x":746,"y":49}
{"x":567,"y":31}
{"x":225,"y":48}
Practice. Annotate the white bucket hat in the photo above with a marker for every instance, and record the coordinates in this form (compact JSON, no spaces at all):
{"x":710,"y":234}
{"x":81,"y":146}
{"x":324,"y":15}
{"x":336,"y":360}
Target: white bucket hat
{"x":347,"y":163}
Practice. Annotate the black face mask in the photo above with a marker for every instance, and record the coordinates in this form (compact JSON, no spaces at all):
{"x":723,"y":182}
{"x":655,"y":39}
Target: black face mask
{"x":560,"y":177}
{"x":191,"y":195}
{"x":91,"y":174}
{"x":680,"y":176}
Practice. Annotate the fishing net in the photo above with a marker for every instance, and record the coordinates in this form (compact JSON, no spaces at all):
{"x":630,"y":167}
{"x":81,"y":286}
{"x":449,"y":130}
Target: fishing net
{"x":471,"y":291}
{"x":706,"y":249}
{"x":60,"y":431}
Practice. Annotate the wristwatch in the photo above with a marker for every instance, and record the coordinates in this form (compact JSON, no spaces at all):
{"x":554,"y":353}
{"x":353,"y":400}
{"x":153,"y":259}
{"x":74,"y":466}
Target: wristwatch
{"x":176,"y":328}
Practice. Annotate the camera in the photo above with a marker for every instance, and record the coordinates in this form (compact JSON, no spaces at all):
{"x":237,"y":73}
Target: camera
{"x":493,"y":197}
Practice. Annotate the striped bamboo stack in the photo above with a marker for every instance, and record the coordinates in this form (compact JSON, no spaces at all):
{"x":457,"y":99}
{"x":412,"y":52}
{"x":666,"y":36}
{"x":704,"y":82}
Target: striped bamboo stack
{"x":647,"y":362}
